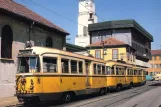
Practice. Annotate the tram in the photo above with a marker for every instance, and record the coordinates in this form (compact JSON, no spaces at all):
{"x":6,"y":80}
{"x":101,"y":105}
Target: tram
{"x":50,"y":74}
{"x":46,"y":74}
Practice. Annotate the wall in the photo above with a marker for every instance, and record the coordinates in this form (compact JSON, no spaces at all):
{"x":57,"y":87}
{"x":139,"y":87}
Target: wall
{"x":20,"y":31}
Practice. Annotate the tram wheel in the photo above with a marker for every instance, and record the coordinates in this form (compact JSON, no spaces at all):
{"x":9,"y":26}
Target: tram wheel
{"x":131,"y":85}
{"x":118,"y":88}
{"x":67,"y":97}
{"x":102,"y":91}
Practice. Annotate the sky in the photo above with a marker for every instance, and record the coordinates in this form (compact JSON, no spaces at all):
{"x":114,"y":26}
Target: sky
{"x":146,"y":12}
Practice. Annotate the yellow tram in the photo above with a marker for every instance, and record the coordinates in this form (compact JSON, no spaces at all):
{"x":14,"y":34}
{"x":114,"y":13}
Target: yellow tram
{"x":46,"y":74}
{"x":51,"y":74}
{"x":119,"y":75}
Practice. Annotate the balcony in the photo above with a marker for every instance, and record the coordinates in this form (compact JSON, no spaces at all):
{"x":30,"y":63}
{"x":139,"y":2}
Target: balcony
{"x":139,"y":46}
{"x":143,"y":55}
{"x":142,"y":63}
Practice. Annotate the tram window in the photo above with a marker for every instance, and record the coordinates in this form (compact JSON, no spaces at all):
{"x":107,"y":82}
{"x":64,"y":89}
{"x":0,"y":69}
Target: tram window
{"x":135,"y":72}
{"x":120,"y":71}
{"x":65,"y":65}
{"x":131,"y":72}
{"x":80,"y":67}
{"x":128,"y":72}
{"x":108,"y":70}
{"x":139,"y":72}
{"x":28,"y":64}
{"x":50,"y":65}
{"x":123,"y":71}
{"x":24,"y":65}
{"x":95,"y":69}
{"x":117,"y":71}
{"x":99,"y":69}
{"x":103,"y":70}
{"x":112,"y":71}
{"x":73,"y":66}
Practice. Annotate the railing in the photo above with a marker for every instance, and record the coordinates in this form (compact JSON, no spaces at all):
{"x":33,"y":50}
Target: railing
{"x":141,"y":63}
{"x":146,"y":55}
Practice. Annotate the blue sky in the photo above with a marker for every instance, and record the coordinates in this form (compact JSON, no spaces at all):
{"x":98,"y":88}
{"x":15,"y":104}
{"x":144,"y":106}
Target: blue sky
{"x":146,"y":12}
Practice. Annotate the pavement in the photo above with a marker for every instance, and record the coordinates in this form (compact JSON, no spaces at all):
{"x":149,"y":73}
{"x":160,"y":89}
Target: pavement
{"x":150,"y":98}
{"x":4,"y":102}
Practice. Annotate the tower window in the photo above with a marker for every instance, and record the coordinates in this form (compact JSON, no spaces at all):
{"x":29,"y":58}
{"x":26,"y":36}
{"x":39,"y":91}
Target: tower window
{"x":6,"y":44}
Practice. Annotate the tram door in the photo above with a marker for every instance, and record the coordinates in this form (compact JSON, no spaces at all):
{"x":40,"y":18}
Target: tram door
{"x":87,"y":74}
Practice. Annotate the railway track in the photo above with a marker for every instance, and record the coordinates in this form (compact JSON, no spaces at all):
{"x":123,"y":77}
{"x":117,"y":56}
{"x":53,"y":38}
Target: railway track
{"x":107,"y":98}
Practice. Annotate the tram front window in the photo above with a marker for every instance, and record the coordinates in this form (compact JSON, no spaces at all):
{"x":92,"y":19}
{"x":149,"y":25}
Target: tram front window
{"x":28,"y":65}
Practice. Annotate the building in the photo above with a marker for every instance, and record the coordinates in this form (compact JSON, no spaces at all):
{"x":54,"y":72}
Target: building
{"x":86,"y":15}
{"x":127,"y":31}
{"x":112,"y":49}
{"x":18,"y":24}
{"x":155,"y":63}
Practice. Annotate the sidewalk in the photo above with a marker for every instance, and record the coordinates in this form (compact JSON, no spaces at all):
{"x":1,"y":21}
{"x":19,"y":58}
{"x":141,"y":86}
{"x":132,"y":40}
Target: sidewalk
{"x":151,"y":98}
{"x":8,"y":101}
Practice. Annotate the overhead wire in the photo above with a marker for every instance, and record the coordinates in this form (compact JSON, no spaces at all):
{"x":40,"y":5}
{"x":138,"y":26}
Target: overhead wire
{"x":58,"y":14}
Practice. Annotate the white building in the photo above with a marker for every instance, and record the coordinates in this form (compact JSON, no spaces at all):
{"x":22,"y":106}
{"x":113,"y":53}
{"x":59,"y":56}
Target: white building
{"x":87,"y":15}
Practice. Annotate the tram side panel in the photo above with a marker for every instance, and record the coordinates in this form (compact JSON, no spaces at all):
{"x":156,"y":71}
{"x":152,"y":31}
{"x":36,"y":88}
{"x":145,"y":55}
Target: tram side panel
{"x":129,"y":76}
{"x":111,"y":81}
{"x":97,"y":76}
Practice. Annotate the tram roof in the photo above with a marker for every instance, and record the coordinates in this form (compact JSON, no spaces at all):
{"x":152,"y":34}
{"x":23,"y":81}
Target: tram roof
{"x":46,"y":50}
{"x":111,"y":63}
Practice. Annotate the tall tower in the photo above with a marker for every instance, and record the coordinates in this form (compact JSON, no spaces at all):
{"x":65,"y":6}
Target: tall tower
{"x":87,"y":15}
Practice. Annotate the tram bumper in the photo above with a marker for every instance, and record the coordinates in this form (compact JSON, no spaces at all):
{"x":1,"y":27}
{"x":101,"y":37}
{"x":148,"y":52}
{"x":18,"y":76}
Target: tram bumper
{"x":40,"y":97}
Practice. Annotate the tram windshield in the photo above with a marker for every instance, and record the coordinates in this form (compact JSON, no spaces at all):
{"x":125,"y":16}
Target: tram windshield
{"x":28,"y":65}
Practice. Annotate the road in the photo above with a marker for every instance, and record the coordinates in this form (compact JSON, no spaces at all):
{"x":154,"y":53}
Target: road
{"x":148,"y":95}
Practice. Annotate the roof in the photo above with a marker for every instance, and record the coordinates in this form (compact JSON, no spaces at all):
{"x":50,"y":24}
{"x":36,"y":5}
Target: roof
{"x":74,"y":48}
{"x":155,"y":52}
{"x":20,"y":10}
{"x":108,"y":42}
{"x":119,"y":24}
